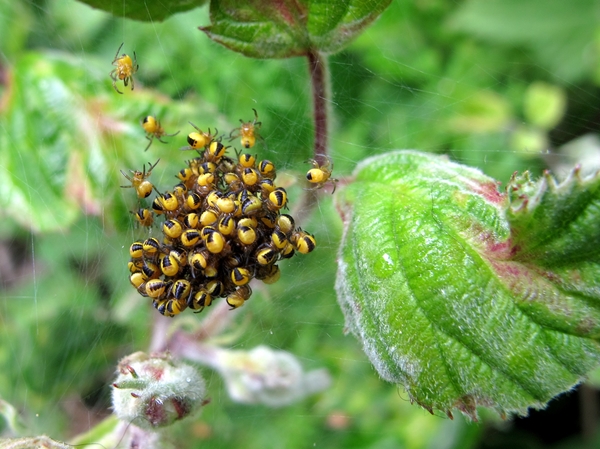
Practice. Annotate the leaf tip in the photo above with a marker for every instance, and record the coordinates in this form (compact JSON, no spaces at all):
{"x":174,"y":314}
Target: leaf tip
{"x":467,"y":404}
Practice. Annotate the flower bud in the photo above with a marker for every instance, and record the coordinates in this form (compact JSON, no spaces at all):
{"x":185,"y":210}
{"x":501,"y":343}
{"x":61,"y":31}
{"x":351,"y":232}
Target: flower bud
{"x":155,"y":391}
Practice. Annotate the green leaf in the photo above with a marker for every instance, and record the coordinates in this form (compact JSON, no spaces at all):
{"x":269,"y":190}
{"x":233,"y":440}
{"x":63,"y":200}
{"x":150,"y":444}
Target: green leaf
{"x":467,"y":296}
{"x":270,"y":29}
{"x":144,"y":10}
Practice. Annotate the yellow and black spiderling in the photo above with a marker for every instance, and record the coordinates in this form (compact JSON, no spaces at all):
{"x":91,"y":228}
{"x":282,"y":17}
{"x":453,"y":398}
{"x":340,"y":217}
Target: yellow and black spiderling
{"x":136,"y":250}
{"x":246,"y":160}
{"x":154,"y":130}
{"x":198,"y":139}
{"x":248,"y":132}
{"x":303,"y":241}
{"x":238,"y":297}
{"x":319,"y":175}
{"x":169,"y":266}
{"x":199,"y":300}
{"x":155,"y":288}
{"x":139,"y":180}
{"x":124,"y":69}
{"x":137,"y":279}
{"x":267,"y":169}
{"x":144,"y":217}
{"x":150,"y":247}
{"x":215,"y":231}
{"x":150,"y":270}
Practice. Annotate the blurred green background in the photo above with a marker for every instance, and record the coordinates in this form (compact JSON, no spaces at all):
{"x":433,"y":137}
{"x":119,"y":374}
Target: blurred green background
{"x":501,"y":85}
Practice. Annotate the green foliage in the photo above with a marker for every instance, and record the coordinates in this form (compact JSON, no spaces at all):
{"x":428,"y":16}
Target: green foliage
{"x":556,"y":31}
{"x":50,"y":88}
{"x":545,"y":105}
{"x":466,"y":296}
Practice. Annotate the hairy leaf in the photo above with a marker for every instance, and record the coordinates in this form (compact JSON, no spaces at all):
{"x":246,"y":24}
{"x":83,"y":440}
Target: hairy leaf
{"x":282,"y":29}
{"x":65,"y":135}
{"x":144,"y":10}
{"x":468,"y":296}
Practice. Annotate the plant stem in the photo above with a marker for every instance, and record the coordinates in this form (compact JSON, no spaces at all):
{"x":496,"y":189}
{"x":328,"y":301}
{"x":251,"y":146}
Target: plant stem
{"x":319,"y":77}
{"x":320,"y":88}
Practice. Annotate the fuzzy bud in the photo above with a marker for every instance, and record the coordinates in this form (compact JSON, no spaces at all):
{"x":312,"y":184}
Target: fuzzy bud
{"x":155,"y":391}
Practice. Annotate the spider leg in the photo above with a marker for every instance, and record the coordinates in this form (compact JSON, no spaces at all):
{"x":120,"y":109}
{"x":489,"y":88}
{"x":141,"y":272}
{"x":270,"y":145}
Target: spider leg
{"x":113,"y":76}
{"x":149,"y":143}
{"x":197,"y":129}
{"x":334,"y":182}
{"x":313,"y":162}
{"x":126,"y":176}
{"x":117,"y":53}
{"x":152,"y":166}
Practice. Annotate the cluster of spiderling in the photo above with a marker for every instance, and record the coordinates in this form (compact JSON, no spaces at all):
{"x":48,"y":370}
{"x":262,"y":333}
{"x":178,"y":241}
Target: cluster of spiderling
{"x":222,"y":226}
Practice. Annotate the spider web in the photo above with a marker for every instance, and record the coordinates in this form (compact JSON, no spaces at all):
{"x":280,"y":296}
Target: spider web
{"x":68,"y":311}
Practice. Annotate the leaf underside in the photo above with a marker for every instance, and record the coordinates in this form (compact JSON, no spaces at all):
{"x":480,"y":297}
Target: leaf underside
{"x":144,"y":10}
{"x":282,"y":29}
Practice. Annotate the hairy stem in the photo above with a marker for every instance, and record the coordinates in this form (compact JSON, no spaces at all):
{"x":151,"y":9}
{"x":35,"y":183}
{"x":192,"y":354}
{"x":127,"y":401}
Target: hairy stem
{"x":320,"y":88}
{"x":319,"y":77}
